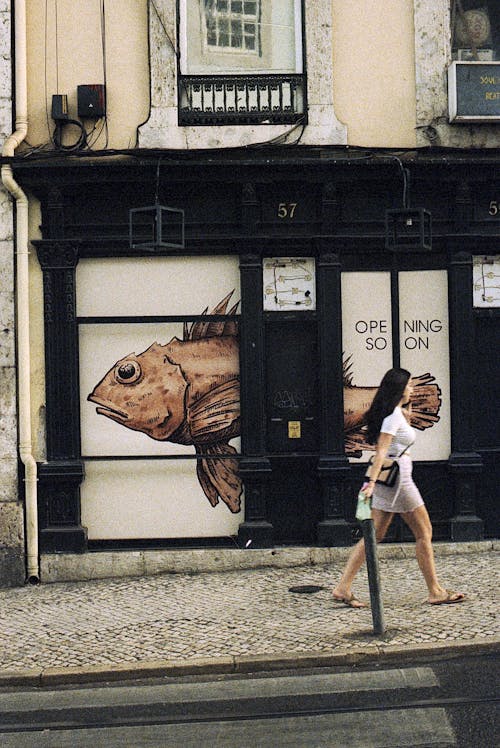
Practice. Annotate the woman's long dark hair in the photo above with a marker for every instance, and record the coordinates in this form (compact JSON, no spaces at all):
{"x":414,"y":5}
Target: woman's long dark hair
{"x":386,"y":398}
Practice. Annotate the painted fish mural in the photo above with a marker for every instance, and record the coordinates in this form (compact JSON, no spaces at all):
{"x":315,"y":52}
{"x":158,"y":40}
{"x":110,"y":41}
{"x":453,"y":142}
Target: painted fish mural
{"x":188,"y":392}
{"x":425,"y":406}
{"x":185,"y":392}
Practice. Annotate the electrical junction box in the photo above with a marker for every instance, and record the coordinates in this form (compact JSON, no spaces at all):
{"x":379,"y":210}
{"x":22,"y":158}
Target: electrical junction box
{"x":59,"y":107}
{"x":91,"y":101}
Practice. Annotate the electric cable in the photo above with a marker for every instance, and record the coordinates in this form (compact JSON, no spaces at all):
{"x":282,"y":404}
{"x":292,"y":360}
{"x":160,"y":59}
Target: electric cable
{"x":45,"y":67}
{"x":58,"y":131}
{"x":104,"y":74}
{"x":176,"y":51}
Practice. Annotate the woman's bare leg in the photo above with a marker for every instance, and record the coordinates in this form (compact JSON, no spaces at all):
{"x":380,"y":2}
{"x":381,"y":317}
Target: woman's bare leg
{"x":381,"y":522}
{"x":419,"y":523}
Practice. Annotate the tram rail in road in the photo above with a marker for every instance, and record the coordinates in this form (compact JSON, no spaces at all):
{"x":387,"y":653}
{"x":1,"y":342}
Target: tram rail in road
{"x":359,"y":709}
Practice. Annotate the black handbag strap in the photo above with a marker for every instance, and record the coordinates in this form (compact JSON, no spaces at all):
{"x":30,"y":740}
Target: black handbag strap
{"x":399,"y":455}
{"x":405,"y":450}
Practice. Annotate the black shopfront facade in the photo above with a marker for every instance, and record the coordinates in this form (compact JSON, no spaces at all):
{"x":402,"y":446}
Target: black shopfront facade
{"x":328,"y":205}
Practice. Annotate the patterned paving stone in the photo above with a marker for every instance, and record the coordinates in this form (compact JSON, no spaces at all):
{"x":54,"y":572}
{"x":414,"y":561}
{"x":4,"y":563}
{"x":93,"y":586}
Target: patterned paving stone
{"x":181,"y":616}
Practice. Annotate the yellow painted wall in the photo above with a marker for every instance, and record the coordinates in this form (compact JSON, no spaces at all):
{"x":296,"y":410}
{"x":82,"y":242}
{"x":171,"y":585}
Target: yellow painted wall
{"x":374,"y":79}
{"x":374,"y":71}
{"x":59,"y":62}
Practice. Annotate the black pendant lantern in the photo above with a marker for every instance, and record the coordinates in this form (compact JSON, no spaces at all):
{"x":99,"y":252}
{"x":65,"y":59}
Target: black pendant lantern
{"x":156,"y":227}
{"x":408,"y":229}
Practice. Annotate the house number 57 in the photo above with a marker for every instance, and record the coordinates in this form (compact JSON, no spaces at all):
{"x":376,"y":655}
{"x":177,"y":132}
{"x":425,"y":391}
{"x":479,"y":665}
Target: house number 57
{"x":286,"y":210}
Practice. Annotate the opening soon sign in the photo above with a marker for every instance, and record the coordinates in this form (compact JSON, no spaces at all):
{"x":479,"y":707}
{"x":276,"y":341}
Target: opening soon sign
{"x":423,"y":343}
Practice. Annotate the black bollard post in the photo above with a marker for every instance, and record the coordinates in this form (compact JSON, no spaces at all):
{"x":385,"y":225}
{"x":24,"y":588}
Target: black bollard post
{"x":373,"y":576}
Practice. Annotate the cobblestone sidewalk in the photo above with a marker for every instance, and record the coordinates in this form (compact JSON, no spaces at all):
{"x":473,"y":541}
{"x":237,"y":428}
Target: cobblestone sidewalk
{"x":238,"y":613}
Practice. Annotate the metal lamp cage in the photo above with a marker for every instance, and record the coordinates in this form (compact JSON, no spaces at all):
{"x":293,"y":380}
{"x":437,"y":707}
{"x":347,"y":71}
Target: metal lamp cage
{"x":156,"y":227}
{"x":408,"y":229}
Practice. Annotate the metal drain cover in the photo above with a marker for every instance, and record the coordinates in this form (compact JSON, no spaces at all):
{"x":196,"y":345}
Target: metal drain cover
{"x":306,"y":589}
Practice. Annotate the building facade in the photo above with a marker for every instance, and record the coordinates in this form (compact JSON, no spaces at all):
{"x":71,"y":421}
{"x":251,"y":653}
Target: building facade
{"x":221,"y":223}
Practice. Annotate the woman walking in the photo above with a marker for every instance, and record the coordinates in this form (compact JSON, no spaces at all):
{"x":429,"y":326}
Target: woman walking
{"x":388,"y":427}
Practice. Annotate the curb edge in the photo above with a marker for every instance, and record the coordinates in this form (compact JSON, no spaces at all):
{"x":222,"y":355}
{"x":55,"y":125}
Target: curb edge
{"x":246,"y":664}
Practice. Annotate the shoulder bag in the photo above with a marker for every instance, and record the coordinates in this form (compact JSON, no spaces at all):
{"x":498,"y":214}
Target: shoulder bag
{"x":390,"y":469}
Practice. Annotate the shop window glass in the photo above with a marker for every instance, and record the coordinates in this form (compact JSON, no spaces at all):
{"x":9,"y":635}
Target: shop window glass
{"x":476,"y":30}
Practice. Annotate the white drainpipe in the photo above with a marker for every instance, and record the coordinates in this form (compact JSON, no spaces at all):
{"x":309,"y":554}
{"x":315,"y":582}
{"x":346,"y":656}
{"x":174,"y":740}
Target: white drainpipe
{"x":22,"y":294}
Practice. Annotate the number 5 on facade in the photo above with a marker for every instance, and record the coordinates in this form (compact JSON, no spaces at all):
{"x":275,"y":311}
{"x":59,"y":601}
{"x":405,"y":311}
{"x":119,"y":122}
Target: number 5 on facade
{"x":286,"y":210}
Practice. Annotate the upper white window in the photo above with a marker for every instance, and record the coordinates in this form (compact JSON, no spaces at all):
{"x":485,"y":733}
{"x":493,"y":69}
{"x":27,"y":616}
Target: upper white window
{"x":219,"y":37}
{"x":232,"y":25}
{"x":231,"y":72}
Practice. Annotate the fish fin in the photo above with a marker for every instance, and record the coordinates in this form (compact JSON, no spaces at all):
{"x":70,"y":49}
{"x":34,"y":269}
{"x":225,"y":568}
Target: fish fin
{"x":425,"y":402}
{"x":221,"y":307}
{"x":212,"y":329}
{"x":347,"y":371}
{"x":217,"y":412}
{"x":205,"y":482}
{"x":231,"y":325}
{"x":196,"y":330}
{"x":355,"y":443}
{"x":230,"y":328}
{"x":219,"y":478}
{"x":223,"y":327}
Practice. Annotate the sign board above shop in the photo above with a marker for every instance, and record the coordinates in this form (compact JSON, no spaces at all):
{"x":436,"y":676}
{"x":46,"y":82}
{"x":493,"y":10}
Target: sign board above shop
{"x":474,"y":91}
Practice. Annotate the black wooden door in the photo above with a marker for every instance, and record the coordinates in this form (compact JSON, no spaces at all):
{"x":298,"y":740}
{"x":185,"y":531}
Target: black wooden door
{"x":292,"y":438}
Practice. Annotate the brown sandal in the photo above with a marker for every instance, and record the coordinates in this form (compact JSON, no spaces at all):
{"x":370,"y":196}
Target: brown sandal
{"x":450,"y":599}
{"x":350,"y":601}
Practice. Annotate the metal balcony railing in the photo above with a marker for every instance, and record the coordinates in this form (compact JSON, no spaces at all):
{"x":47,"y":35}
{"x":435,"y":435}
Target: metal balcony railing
{"x":243,"y":100}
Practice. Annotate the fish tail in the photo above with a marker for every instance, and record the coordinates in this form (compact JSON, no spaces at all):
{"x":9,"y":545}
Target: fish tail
{"x":425,"y":402}
{"x":219,"y":477}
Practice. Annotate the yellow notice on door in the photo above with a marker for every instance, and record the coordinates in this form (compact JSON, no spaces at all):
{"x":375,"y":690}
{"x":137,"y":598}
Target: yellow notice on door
{"x":294,"y":429}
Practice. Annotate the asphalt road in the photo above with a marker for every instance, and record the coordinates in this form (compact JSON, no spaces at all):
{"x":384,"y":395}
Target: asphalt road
{"x":452,"y":702}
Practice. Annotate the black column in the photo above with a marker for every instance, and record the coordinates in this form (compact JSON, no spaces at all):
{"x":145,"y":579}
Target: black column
{"x":61,"y":475}
{"x":333,"y":465}
{"x":254,"y":466}
{"x":464,"y":463}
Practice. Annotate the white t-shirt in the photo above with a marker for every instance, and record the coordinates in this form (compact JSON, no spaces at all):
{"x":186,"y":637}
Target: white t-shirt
{"x":402,"y":433}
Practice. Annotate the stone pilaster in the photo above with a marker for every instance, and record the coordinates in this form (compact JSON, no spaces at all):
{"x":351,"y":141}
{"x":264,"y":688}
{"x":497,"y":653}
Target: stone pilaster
{"x":12,"y":569}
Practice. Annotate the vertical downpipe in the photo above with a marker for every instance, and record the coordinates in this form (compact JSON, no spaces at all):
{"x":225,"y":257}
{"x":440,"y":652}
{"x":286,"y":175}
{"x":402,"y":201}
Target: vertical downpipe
{"x":22,"y":293}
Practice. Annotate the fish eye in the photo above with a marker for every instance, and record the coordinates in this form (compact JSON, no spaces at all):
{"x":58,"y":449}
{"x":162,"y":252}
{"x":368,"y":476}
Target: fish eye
{"x":128,"y":372}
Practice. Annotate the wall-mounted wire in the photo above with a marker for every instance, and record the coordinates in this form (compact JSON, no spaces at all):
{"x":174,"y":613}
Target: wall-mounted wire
{"x":86,"y":139}
{"x":157,"y":186}
{"x":282,"y":138}
{"x":104,"y":73}
{"x":172,"y":44}
{"x":406,"y":179}
{"x":78,"y":145}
